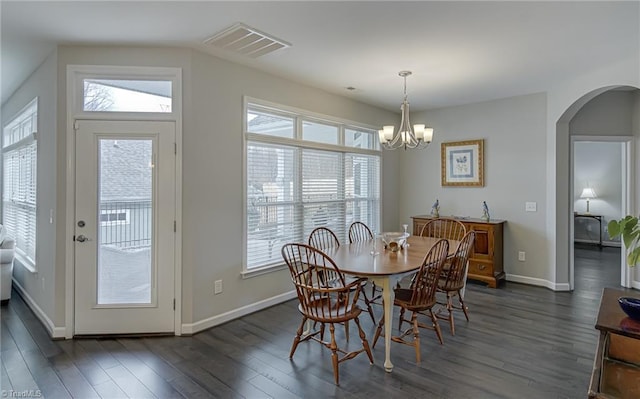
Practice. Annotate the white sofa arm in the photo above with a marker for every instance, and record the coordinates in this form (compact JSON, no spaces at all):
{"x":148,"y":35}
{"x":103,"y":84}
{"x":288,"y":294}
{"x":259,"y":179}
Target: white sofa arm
{"x":7,"y":250}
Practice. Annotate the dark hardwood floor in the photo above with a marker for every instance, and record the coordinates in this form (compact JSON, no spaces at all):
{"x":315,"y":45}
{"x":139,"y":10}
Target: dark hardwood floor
{"x":521,"y":342}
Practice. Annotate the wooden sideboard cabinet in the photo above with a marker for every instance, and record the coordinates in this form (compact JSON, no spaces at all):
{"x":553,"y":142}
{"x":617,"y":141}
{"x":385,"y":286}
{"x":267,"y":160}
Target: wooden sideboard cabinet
{"x":486,"y":261}
{"x":616,"y":367}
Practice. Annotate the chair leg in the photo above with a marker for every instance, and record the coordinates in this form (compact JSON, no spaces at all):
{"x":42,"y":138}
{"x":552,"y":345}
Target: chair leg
{"x":334,"y":353}
{"x":367,"y":302}
{"x":436,"y":326}
{"x":346,"y":329}
{"x":363,"y":338}
{"x":378,"y":332}
{"x":450,"y":310}
{"x":464,"y":307}
{"x":296,"y":340}
{"x":416,"y":335}
{"x":400,"y":319}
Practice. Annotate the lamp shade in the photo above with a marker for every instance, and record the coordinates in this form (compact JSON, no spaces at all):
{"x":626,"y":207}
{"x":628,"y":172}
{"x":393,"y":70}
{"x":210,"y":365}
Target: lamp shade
{"x":588,"y":193}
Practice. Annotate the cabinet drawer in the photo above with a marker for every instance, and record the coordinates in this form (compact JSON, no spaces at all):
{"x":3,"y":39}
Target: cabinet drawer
{"x":624,"y":348}
{"x":619,"y":380}
{"x":482,"y":268}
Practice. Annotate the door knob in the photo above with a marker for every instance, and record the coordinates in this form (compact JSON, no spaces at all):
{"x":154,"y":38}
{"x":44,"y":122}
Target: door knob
{"x":82,"y":238}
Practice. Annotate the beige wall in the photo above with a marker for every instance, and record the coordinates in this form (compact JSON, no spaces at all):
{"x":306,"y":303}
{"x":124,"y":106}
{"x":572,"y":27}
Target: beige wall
{"x":513,"y":130}
{"x":213,"y":184}
{"x":609,"y":114}
{"x":41,"y":287}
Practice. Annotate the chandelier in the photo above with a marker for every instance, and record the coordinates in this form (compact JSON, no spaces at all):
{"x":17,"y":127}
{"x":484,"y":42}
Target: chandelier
{"x":406,"y":137}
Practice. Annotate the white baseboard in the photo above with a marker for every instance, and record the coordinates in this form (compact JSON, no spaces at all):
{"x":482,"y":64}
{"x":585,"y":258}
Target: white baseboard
{"x":539,"y":282}
{"x":192,"y":328}
{"x":54,"y":332}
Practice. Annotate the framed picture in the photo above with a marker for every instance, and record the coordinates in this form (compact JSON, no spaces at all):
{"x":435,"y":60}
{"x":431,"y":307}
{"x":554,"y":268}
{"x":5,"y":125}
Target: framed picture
{"x":462,"y":163}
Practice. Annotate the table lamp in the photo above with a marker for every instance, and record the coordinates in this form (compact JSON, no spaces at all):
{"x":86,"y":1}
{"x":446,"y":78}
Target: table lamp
{"x":588,"y":194}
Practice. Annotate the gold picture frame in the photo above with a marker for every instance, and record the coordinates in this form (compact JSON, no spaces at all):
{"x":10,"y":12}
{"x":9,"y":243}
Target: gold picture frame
{"x":462,"y":163}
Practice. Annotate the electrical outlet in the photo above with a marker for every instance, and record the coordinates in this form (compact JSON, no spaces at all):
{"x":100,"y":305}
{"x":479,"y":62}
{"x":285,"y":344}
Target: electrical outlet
{"x":530,"y":206}
{"x":521,"y":256}
{"x":217,"y":289}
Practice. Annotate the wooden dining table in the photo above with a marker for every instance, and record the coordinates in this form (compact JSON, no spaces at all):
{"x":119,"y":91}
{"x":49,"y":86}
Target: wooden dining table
{"x":385,"y":268}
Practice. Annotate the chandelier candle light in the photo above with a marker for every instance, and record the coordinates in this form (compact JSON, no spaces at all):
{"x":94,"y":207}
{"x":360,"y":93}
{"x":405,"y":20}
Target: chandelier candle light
{"x":406,"y":137}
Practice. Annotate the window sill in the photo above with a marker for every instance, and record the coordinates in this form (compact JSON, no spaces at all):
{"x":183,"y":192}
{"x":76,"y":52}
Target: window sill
{"x":262,"y":270}
{"x":26,"y":263}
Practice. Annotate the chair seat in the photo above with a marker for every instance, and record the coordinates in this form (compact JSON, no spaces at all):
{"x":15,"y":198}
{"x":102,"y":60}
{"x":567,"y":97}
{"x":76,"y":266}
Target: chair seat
{"x":403,"y":298}
{"x":325,"y":310}
{"x":403,"y":294}
{"x":348,"y":280}
{"x":443,"y":286}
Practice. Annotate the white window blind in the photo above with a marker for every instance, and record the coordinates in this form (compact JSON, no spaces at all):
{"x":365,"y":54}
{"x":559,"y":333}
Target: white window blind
{"x":19,"y":153}
{"x":296,"y":182}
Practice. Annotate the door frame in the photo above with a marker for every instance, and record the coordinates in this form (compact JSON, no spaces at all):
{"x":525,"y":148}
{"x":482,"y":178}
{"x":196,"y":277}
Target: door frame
{"x":628,"y":188}
{"x":75,"y":75}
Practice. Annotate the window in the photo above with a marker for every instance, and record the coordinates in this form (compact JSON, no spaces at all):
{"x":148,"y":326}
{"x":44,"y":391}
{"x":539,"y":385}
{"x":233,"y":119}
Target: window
{"x":122,"y":95}
{"x":302,"y":173}
{"x":113,"y":217}
{"x":320,"y":132}
{"x":19,"y":154}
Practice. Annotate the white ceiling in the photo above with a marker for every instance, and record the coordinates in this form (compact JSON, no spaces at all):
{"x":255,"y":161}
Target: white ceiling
{"x":459,"y":52}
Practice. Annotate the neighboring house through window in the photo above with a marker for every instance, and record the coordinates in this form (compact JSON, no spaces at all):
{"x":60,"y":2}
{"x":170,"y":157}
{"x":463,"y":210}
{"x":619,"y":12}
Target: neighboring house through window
{"x":304,"y":171}
{"x":19,"y":168}
{"x":126,"y":219}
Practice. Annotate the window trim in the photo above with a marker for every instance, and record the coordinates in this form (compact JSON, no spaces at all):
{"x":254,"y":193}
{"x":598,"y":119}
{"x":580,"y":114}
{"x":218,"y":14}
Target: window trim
{"x":26,"y":141}
{"x":298,"y":115}
{"x":78,"y":73}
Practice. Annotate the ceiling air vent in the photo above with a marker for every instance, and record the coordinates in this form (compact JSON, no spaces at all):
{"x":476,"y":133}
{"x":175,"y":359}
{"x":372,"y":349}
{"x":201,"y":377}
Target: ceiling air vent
{"x":245,"y":40}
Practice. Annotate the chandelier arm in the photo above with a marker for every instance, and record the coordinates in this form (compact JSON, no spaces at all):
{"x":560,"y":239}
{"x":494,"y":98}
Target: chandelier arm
{"x":397,"y":136}
{"x":410,"y":140}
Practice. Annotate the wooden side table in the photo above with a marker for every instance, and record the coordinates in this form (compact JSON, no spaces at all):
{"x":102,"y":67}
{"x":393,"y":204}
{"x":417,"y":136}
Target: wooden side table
{"x":597,"y":218}
{"x":616,"y":368}
{"x":486,"y":260}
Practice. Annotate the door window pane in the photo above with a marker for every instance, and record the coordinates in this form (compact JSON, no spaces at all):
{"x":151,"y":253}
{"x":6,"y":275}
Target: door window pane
{"x":125,"y":231}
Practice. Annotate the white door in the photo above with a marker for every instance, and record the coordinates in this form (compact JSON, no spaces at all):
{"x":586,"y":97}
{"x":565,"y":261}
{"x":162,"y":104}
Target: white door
{"x":124,"y":227}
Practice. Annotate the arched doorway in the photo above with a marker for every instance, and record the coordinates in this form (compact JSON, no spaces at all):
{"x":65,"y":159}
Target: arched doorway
{"x":603,"y":127}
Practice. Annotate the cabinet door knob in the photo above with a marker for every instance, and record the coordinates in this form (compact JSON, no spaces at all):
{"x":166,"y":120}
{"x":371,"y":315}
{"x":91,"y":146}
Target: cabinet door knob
{"x":482,"y":267}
